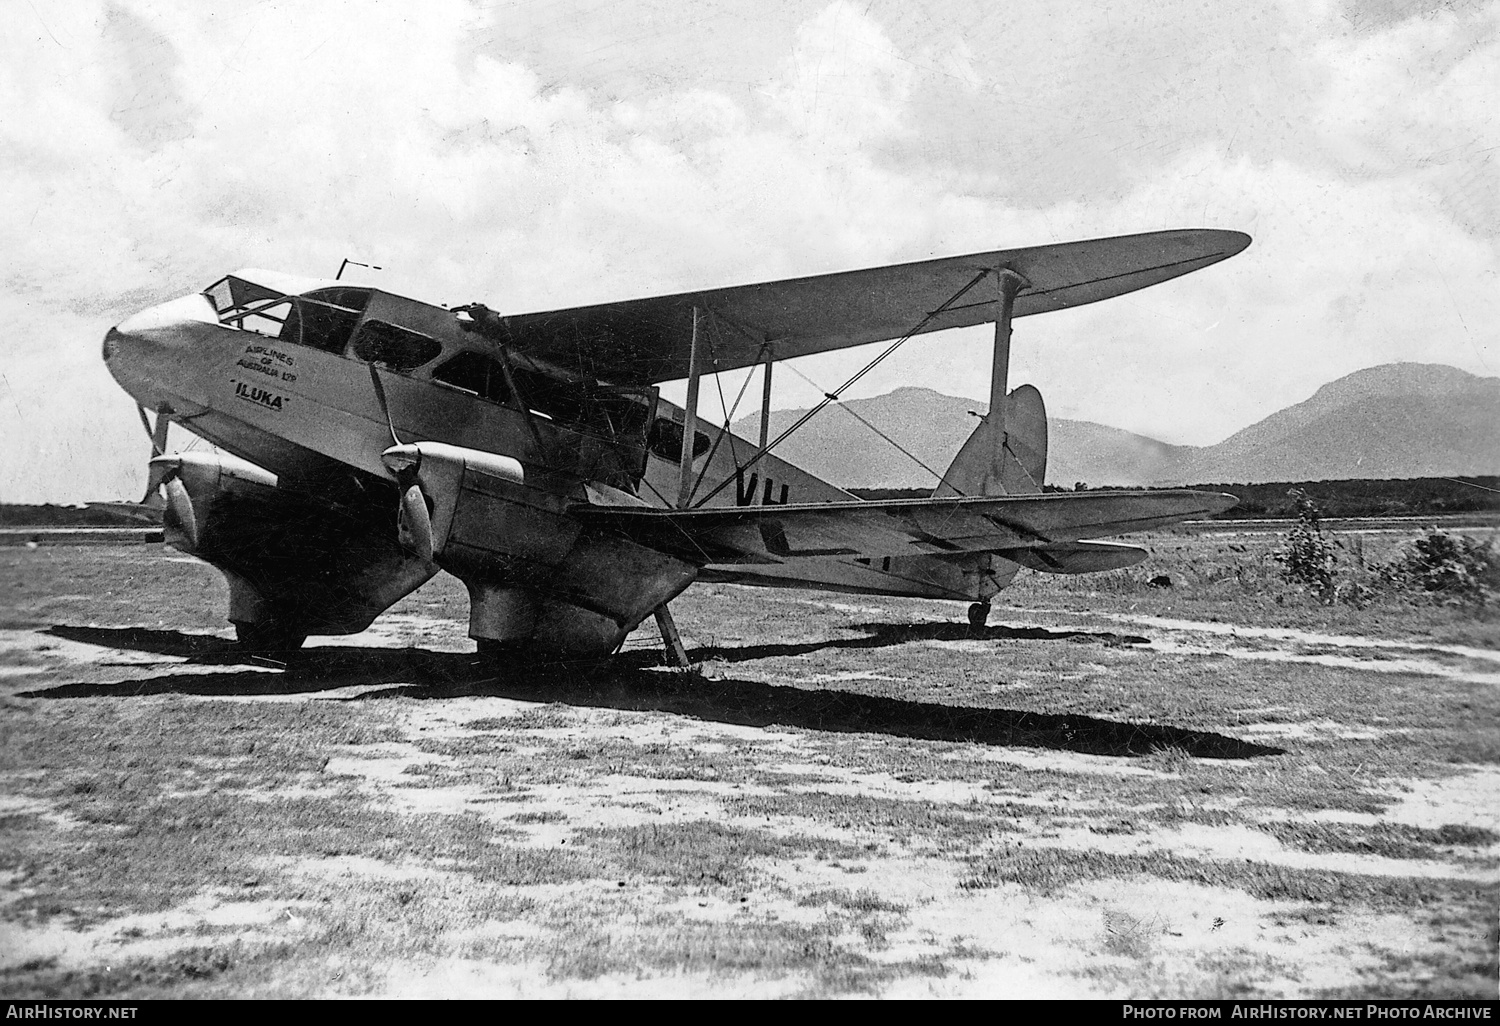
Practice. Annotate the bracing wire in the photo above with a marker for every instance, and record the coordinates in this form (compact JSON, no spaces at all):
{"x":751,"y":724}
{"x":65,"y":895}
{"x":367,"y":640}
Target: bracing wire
{"x":664,"y":501}
{"x":829,"y":397}
{"x":728,"y":414}
{"x":1471,"y":484}
{"x":851,"y":411}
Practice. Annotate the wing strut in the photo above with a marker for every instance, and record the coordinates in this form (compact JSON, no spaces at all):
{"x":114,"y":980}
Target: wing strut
{"x":671,"y":640}
{"x":765,"y":401}
{"x":1007,"y":284}
{"x":690,"y":417}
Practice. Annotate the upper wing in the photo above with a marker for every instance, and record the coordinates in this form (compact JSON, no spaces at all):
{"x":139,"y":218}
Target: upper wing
{"x":904,"y":527}
{"x":648,"y":340}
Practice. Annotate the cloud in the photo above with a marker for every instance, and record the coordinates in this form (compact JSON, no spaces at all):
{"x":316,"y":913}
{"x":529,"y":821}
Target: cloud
{"x":553,"y":155}
{"x":145,"y":101}
{"x":846,"y":84}
{"x":1417,"y":100}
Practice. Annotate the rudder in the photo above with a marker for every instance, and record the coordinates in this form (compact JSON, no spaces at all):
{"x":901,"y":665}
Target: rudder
{"x":1013,"y":465}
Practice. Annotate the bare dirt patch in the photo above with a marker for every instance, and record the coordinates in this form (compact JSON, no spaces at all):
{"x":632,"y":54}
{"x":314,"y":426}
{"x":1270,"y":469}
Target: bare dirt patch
{"x":851,"y":798}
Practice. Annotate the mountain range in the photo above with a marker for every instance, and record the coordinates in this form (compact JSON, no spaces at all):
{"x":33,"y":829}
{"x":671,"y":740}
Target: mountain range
{"x":1399,"y":420}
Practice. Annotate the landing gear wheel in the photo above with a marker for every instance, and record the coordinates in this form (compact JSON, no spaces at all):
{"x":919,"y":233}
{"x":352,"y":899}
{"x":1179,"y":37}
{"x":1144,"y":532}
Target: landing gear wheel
{"x":979,"y":613}
{"x":491,"y":651}
{"x":268,"y":638}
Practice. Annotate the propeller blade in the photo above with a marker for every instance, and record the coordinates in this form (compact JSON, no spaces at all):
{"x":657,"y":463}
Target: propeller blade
{"x":157,"y":474}
{"x":414,"y":524}
{"x":179,"y":512}
{"x":413,"y":519}
{"x":158,"y":435}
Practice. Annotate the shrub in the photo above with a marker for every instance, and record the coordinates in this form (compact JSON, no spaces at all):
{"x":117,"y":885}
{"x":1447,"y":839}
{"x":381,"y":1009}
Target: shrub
{"x":1445,"y":567}
{"x":1308,"y":558}
{"x":1356,"y":594}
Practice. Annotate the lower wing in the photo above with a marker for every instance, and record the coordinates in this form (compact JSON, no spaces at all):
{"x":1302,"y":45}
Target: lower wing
{"x":1045,"y":532}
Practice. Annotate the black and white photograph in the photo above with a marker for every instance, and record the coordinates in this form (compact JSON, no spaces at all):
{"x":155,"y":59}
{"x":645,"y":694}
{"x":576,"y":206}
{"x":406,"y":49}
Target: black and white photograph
{"x":640,"y":499}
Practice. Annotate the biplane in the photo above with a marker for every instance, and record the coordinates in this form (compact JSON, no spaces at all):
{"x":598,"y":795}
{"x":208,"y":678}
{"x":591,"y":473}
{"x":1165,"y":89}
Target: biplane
{"x":366,"y":441}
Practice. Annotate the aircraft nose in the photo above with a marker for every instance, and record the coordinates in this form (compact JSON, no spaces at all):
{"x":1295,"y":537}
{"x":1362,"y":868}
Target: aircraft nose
{"x":145,"y":351}
{"x":123,"y":349}
{"x":171,"y":324}
{"x":120,"y":346}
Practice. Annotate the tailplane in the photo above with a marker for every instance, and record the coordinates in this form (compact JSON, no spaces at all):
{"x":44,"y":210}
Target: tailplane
{"x":1010,"y":463}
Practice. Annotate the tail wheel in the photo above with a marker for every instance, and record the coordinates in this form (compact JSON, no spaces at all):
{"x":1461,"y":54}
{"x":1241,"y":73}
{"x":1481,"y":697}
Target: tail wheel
{"x":269,"y":638}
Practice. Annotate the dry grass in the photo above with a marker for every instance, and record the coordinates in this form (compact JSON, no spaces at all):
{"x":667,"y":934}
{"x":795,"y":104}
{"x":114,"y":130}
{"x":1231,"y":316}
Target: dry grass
{"x":852,"y":796}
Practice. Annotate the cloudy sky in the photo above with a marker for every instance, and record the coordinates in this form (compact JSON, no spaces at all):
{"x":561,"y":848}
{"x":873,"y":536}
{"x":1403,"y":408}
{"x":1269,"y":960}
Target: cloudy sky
{"x":534,"y":154}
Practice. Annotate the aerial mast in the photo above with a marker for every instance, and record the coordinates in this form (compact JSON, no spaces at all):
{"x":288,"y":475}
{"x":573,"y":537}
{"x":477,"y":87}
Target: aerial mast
{"x":347,"y":262}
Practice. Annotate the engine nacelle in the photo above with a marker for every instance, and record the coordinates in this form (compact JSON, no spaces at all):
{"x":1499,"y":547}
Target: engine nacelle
{"x":536,"y":577}
{"x":193,"y":481}
{"x":444,"y":472}
{"x":294,"y":565}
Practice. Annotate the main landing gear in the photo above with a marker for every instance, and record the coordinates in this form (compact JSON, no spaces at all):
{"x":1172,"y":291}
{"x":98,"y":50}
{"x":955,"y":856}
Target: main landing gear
{"x":269,"y":639}
{"x":979,"y":613}
{"x":676,"y":655}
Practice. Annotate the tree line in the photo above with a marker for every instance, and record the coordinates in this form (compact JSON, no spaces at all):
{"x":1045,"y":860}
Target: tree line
{"x":1276,"y":500}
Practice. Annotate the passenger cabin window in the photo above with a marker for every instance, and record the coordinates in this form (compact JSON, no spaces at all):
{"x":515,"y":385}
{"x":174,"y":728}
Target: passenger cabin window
{"x":476,"y":373}
{"x":397,"y":348}
{"x":665,"y":440}
{"x":608,"y":412}
{"x":616,"y":414}
{"x":553,"y":398}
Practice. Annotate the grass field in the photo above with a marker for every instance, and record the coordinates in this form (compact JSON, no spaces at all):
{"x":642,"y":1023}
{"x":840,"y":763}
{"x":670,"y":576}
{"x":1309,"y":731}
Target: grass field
{"x":1218,"y":789}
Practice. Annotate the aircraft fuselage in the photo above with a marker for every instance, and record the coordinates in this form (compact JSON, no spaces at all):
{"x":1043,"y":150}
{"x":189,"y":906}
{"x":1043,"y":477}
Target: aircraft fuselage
{"x":315,"y":381}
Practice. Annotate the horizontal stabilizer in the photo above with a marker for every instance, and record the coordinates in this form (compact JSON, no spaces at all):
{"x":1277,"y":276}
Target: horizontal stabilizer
{"x":901,"y":527}
{"x":1078,"y":558}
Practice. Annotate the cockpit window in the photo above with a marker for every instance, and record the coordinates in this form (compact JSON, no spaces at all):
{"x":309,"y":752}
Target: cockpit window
{"x":231,"y":295}
{"x":327,"y":317}
{"x":323,"y":319}
{"x":346,"y":296}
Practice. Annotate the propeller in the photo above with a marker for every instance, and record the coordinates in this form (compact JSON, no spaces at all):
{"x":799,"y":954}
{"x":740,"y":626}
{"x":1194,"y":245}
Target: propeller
{"x":164,"y":488}
{"x":413,"y":517}
{"x":159,"y":471}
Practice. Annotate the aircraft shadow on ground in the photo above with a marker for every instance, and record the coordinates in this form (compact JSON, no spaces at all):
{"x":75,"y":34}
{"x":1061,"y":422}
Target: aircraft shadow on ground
{"x":309,"y":670}
{"x":196,"y":648}
{"x":884,"y":635}
{"x":626,"y":683}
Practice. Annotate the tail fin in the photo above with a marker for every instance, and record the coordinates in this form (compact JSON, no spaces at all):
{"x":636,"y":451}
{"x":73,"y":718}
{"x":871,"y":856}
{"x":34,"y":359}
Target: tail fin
{"x":1014,"y":465}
